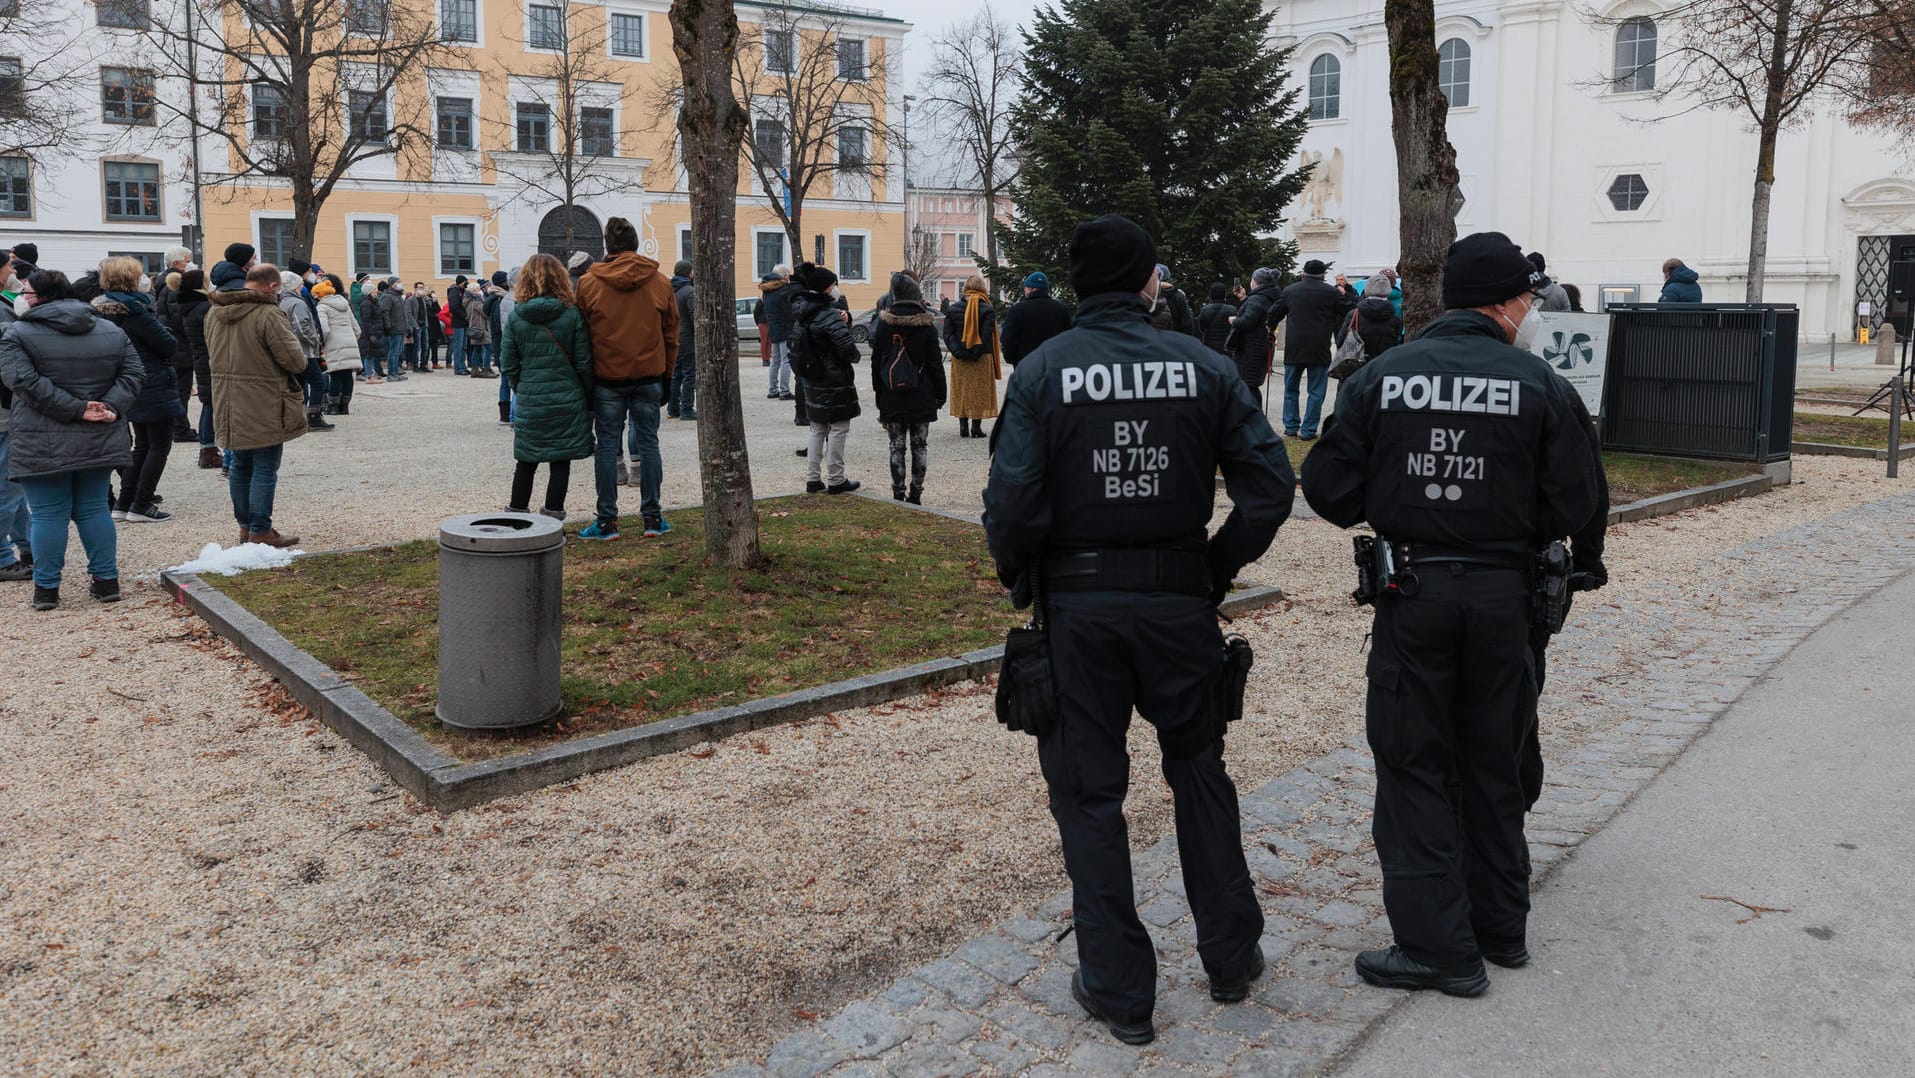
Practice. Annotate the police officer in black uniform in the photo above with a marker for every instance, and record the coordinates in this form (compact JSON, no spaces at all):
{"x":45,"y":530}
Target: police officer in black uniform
{"x":1467,"y":456}
{"x":1103,"y":483}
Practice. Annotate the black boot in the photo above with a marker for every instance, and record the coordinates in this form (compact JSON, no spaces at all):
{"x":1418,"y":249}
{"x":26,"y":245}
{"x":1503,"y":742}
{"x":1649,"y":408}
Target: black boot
{"x":315,"y":422}
{"x":964,"y":428}
{"x":505,"y":413}
{"x":345,"y":405}
{"x":977,"y":429}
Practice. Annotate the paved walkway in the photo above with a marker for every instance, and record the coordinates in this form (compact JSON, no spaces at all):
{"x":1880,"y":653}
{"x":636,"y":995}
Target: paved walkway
{"x":1001,"y":1003}
{"x":1798,"y":800}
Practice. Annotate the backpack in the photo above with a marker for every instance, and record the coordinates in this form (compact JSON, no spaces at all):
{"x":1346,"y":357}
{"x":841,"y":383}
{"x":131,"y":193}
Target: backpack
{"x":900,"y":370}
{"x":1160,"y":313}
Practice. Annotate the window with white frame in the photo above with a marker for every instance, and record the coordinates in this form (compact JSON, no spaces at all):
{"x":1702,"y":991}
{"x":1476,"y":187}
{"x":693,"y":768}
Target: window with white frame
{"x":1452,"y":71}
{"x":367,"y":17}
{"x":366,"y":115}
{"x":627,"y":35}
{"x":132,"y":190}
{"x":119,"y":14}
{"x":544,"y":26}
{"x":966,"y":243}
{"x":275,"y":240}
{"x":768,"y":141}
{"x":768,"y":250}
{"x":16,"y":187}
{"x":1628,"y":192}
{"x":853,"y":154}
{"x":150,"y":261}
{"x":597,"y":134}
{"x":533,"y":127}
{"x":1635,"y":55}
{"x":269,"y":112}
{"x":851,"y":262}
{"x":1326,"y":88}
{"x":458,"y":248}
{"x":781,"y":51}
{"x":685,"y":242}
{"x":459,"y":21}
{"x":372,"y":246}
{"x":851,"y":59}
{"x":454,"y":122}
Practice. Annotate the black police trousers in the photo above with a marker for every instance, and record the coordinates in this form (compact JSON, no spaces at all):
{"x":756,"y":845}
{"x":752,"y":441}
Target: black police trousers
{"x":1452,"y":701}
{"x":1110,"y":652}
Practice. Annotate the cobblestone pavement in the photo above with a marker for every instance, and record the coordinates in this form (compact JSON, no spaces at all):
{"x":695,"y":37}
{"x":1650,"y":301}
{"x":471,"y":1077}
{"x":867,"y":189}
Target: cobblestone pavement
{"x":1001,"y":1003}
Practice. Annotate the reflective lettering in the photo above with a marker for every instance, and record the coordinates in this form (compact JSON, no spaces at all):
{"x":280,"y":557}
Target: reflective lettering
{"x":1073,"y":381}
{"x":1465,"y":394}
{"x":1152,"y":380}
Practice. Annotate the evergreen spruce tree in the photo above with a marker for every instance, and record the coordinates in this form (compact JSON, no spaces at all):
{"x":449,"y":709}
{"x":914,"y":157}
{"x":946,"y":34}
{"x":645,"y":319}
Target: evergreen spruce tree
{"x":1175,"y":115}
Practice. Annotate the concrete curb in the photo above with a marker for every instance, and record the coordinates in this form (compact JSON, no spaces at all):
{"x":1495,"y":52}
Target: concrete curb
{"x":448,"y":785}
{"x":1665,"y":504}
{"x":1829,"y":449}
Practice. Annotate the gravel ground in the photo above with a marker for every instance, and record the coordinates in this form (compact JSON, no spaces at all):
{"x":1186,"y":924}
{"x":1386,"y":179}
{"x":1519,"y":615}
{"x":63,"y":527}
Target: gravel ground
{"x":196,"y":878}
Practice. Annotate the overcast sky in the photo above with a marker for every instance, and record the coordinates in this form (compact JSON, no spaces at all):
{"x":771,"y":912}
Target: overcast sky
{"x":929,"y":19}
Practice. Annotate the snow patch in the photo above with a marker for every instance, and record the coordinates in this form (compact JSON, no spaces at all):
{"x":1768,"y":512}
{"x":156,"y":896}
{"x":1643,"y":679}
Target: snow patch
{"x":231,"y":561}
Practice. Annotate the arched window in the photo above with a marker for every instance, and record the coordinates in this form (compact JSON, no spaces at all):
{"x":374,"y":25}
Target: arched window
{"x":1636,"y":55}
{"x":1452,"y":71}
{"x":1326,"y":88}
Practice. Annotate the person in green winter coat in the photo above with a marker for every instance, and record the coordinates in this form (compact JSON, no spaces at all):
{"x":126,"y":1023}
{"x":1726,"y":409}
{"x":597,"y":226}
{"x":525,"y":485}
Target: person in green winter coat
{"x":547,"y":357}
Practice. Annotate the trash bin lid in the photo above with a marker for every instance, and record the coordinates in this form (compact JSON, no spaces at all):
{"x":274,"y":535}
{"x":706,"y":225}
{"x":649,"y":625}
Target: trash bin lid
{"x":501,"y":533}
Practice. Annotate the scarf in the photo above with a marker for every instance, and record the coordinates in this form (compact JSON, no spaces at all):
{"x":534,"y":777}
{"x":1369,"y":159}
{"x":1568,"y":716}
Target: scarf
{"x":973,"y":305}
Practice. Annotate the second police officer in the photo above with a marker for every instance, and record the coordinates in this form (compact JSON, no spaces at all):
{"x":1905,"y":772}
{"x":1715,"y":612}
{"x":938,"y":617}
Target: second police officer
{"x":1468,"y":456}
{"x":1102,"y":487}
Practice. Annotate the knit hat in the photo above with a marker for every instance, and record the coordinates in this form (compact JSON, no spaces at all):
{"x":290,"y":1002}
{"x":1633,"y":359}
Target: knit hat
{"x":1038,"y":280}
{"x":1218,"y":290}
{"x":1263,"y":276}
{"x":682,"y":268}
{"x":237,"y":253}
{"x":299,"y":266}
{"x":322,"y":289}
{"x":905,"y":290}
{"x":362,"y":275}
{"x":1485,"y":269}
{"x":814,"y":278}
{"x":578,"y":261}
{"x":27,"y":252}
{"x":459,"y":280}
{"x":289,"y":280}
{"x":1111,"y":254}
{"x":1315,"y":268}
{"x":498,"y":278}
{"x":193,"y":281}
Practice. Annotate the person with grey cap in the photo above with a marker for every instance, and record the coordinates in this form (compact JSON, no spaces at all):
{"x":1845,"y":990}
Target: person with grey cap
{"x":1103,"y":485}
{"x":1249,"y":340}
{"x":1315,"y":309}
{"x":683,"y":390}
{"x":1468,"y":458}
{"x":392,"y":315}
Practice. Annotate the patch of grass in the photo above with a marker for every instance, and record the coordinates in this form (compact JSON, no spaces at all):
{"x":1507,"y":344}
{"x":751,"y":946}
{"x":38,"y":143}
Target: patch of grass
{"x":850,"y":586}
{"x":1856,"y":430}
{"x":1633,"y":477}
{"x":1299,"y":449}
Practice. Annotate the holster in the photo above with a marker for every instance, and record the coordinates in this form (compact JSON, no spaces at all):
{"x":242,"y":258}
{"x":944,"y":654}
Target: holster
{"x":1228,"y":694}
{"x":1549,"y":605}
{"x":1026,"y":685}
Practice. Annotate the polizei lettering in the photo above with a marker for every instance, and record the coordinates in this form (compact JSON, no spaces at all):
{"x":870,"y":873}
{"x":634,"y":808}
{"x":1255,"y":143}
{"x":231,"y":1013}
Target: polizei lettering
{"x":1452,"y":393}
{"x":1155,"y":380}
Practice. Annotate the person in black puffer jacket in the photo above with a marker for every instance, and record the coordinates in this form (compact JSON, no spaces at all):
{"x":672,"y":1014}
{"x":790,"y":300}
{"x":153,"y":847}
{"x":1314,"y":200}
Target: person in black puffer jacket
{"x":1213,"y":322}
{"x":1249,"y":340}
{"x":123,"y":303}
{"x":1378,"y":325}
{"x":907,"y":378}
{"x":823,"y":352}
{"x":193,"y":303}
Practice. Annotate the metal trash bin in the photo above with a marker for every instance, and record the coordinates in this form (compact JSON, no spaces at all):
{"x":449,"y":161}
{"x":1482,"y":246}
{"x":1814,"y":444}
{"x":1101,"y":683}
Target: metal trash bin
{"x":500,"y":576}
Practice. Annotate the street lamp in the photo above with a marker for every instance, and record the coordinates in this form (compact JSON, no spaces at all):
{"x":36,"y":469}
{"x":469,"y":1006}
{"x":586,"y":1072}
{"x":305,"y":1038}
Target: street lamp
{"x":904,"y":153}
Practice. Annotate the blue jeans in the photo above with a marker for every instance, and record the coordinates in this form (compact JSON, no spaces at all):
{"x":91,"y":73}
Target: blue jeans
{"x":79,"y":497}
{"x":1313,"y":410}
{"x":253,"y":479}
{"x":475,"y":354}
{"x":685,"y":383}
{"x":779,"y":377}
{"x":611,"y":407}
{"x":15,"y":520}
{"x":395,"y":355}
{"x":458,"y":350}
{"x":505,"y":393}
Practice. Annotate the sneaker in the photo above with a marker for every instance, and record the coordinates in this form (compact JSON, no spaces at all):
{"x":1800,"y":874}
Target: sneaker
{"x":147,"y":514}
{"x":45,"y":598}
{"x":19,"y":570}
{"x":773,"y":395}
{"x":117,"y":513}
{"x":106,"y":591}
{"x":786,"y":397}
{"x":555,"y":514}
{"x":599,"y":530}
{"x":656,"y":526}
{"x":692,"y":416}
{"x":845,"y":487}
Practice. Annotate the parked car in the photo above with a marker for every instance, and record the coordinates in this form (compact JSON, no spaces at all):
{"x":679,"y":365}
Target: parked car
{"x":861,"y":326}
{"x":747,"y":325}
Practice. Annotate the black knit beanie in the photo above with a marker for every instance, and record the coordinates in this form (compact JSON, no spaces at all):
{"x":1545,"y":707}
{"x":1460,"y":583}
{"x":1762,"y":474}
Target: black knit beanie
{"x":239,"y":254}
{"x":1486,"y":269}
{"x":1111,"y":254}
{"x":815,"y":278}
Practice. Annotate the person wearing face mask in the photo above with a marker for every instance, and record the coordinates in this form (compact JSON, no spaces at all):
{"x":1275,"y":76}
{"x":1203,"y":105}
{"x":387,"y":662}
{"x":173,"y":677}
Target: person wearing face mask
{"x":1102,"y":489}
{"x":1467,"y":457}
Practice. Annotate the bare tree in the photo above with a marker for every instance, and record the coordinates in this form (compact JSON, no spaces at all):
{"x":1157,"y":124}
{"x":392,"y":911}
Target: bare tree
{"x":924,"y":254}
{"x":1770,"y":60}
{"x":297,"y":91}
{"x":561,"y":143}
{"x":1881,"y":94}
{"x":1426,"y":176}
{"x":46,"y":74}
{"x":816,"y":112}
{"x":976,"y":67}
{"x":711,"y":127}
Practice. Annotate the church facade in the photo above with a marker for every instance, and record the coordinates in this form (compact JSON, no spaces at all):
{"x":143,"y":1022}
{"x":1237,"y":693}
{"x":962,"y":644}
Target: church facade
{"x":1568,"y":140}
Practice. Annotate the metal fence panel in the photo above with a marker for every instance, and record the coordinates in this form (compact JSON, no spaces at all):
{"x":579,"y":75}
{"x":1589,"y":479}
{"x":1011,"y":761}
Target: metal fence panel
{"x":1703,"y":380}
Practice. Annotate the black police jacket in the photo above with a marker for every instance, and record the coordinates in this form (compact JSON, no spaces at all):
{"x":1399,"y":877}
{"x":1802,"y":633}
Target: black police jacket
{"x":1460,"y":442}
{"x":1111,"y":436}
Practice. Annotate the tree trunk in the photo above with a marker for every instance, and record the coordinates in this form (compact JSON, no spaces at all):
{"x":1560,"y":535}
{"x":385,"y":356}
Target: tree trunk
{"x":1770,"y":127}
{"x":990,"y":213}
{"x":711,"y":127}
{"x":306,"y":222}
{"x":1426,"y":176}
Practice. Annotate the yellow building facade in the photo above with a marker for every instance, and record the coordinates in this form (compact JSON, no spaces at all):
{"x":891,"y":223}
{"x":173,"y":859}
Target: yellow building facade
{"x":486,"y":192}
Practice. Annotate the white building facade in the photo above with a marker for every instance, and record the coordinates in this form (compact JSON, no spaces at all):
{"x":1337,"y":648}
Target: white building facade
{"x":1563,"y":144}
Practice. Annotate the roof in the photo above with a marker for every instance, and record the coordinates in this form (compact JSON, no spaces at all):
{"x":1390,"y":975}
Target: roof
{"x":818,"y":8}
